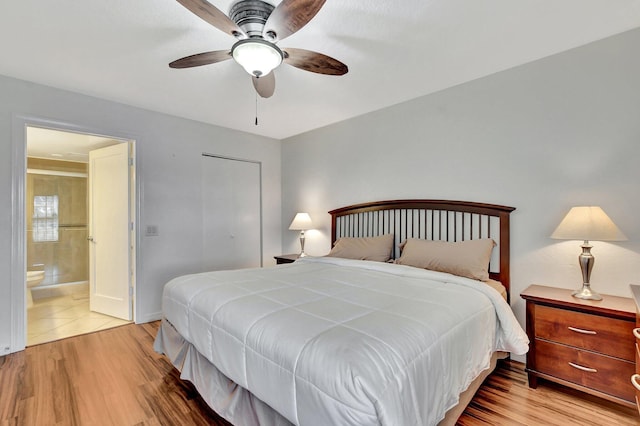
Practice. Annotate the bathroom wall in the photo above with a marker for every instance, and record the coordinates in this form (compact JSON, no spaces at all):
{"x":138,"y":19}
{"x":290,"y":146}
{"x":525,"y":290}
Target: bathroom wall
{"x":61,"y":250}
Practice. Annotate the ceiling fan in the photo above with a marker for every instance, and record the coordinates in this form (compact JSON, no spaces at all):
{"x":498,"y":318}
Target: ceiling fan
{"x":258,"y":26}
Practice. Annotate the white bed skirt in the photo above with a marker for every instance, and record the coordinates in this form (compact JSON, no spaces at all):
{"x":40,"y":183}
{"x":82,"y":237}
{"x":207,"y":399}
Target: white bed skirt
{"x":229,"y":400}
{"x":239,"y":406}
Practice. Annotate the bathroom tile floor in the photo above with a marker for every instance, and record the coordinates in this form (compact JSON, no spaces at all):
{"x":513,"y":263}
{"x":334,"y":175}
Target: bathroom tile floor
{"x":55,"y":318}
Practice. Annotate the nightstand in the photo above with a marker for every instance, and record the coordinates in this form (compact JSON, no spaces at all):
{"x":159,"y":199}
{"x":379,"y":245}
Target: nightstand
{"x":635,"y":379}
{"x":583,"y":344}
{"x":286,"y":258}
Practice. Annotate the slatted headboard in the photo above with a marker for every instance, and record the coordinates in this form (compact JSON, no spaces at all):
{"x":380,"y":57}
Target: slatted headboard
{"x":431,"y":220}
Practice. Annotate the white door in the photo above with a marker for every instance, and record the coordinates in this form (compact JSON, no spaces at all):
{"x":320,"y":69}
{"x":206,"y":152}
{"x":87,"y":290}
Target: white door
{"x":232,"y":213}
{"x":109,"y":219}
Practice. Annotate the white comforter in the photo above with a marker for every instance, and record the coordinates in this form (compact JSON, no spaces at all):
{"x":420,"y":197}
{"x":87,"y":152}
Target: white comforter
{"x":327,"y":341}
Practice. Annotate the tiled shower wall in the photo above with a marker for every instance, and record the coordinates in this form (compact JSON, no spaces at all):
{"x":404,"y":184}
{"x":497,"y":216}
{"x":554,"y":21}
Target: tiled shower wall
{"x":64,"y":255}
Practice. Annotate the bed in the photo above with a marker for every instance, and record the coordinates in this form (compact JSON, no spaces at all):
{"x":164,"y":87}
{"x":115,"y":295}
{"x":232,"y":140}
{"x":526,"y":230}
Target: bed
{"x":354,"y":338}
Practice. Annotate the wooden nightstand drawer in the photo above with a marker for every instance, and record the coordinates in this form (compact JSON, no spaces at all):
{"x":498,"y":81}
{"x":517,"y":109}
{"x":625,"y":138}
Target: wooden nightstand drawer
{"x":635,"y":379}
{"x":608,"y":336}
{"x":595,"y":371}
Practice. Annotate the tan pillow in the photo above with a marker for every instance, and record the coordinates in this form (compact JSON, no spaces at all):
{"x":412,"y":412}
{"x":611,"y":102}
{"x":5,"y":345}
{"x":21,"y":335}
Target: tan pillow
{"x":366,"y":248}
{"x":497,"y":285}
{"x":463,"y":258}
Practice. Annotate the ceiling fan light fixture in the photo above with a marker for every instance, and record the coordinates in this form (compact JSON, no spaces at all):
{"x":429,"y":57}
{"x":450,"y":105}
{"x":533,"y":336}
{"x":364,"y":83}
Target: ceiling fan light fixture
{"x":257,"y":56}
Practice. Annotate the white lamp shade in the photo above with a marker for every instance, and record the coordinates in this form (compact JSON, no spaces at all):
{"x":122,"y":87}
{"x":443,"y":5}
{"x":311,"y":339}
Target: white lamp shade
{"x":301,"y":222}
{"x":256,"y":56}
{"x":587,"y":223}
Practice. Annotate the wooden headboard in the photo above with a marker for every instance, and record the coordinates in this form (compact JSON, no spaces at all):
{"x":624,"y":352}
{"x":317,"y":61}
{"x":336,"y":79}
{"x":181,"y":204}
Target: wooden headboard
{"x":431,"y":220}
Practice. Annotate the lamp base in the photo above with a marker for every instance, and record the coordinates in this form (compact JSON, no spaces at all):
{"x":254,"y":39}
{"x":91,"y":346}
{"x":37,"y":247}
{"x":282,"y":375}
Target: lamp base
{"x":586,"y":293}
{"x":302,"y":253}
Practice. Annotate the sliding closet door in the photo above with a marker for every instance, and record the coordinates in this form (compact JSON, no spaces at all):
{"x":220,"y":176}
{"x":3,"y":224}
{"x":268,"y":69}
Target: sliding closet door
{"x":232,"y":213}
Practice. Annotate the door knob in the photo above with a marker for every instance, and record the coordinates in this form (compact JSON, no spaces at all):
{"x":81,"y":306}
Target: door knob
{"x":90,"y":238}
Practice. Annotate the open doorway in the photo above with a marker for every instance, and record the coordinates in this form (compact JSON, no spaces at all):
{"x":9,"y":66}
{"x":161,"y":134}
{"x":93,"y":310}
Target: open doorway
{"x":79,"y":210}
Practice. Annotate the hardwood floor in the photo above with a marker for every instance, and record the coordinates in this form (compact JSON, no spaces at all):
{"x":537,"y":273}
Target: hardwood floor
{"x":114,"y":377}
{"x":506,"y":399}
{"x":111,"y":377}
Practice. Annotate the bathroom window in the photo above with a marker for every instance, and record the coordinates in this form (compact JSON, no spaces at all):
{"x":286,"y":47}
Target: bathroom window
{"x":45,"y":218}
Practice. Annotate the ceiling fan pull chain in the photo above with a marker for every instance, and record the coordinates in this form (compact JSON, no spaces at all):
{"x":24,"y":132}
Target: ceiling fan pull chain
{"x":256,"y":108}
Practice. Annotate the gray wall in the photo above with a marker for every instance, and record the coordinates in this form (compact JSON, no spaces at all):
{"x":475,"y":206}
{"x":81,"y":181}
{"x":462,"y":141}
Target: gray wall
{"x":543,"y":137}
{"x":169,"y":151}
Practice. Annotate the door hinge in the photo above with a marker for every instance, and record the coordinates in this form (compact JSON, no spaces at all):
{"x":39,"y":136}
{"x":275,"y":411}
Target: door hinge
{"x":130,"y":291}
{"x":130,"y":161}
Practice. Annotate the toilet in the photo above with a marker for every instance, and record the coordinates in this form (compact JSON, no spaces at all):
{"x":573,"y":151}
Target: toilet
{"x":34,"y":278}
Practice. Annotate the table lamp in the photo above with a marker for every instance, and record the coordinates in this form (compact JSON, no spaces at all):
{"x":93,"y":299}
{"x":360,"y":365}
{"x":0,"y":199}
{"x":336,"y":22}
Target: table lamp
{"x":587,"y":223}
{"x":301,"y":222}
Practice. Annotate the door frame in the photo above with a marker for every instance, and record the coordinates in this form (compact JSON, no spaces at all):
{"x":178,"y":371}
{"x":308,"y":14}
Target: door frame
{"x":17,"y":276}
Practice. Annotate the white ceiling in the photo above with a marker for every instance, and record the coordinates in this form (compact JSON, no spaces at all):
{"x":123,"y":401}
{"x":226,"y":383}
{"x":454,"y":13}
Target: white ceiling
{"x":67,"y":146}
{"x":395,"y":50}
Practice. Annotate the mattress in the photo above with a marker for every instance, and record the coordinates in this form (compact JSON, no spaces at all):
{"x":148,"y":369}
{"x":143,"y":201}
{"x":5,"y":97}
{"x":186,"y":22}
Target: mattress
{"x":336,"y":341}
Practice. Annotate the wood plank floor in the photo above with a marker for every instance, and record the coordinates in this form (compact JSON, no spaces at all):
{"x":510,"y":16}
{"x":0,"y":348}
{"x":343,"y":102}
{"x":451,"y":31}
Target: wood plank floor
{"x":114,"y":377}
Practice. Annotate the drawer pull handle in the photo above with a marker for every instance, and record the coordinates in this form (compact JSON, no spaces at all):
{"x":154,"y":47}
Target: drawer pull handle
{"x":580,"y":367}
{"x":579,"y":330}
{"x":634,"y":381}
{"x":636,"y":333}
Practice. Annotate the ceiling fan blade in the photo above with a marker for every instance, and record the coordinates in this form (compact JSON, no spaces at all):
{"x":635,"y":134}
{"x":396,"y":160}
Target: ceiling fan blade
{"x":214,"y":16}
{"x":199,"y":59}
{"x":289,"y":16}
{"x":314,"y":62}
{"x":265,"y":85}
